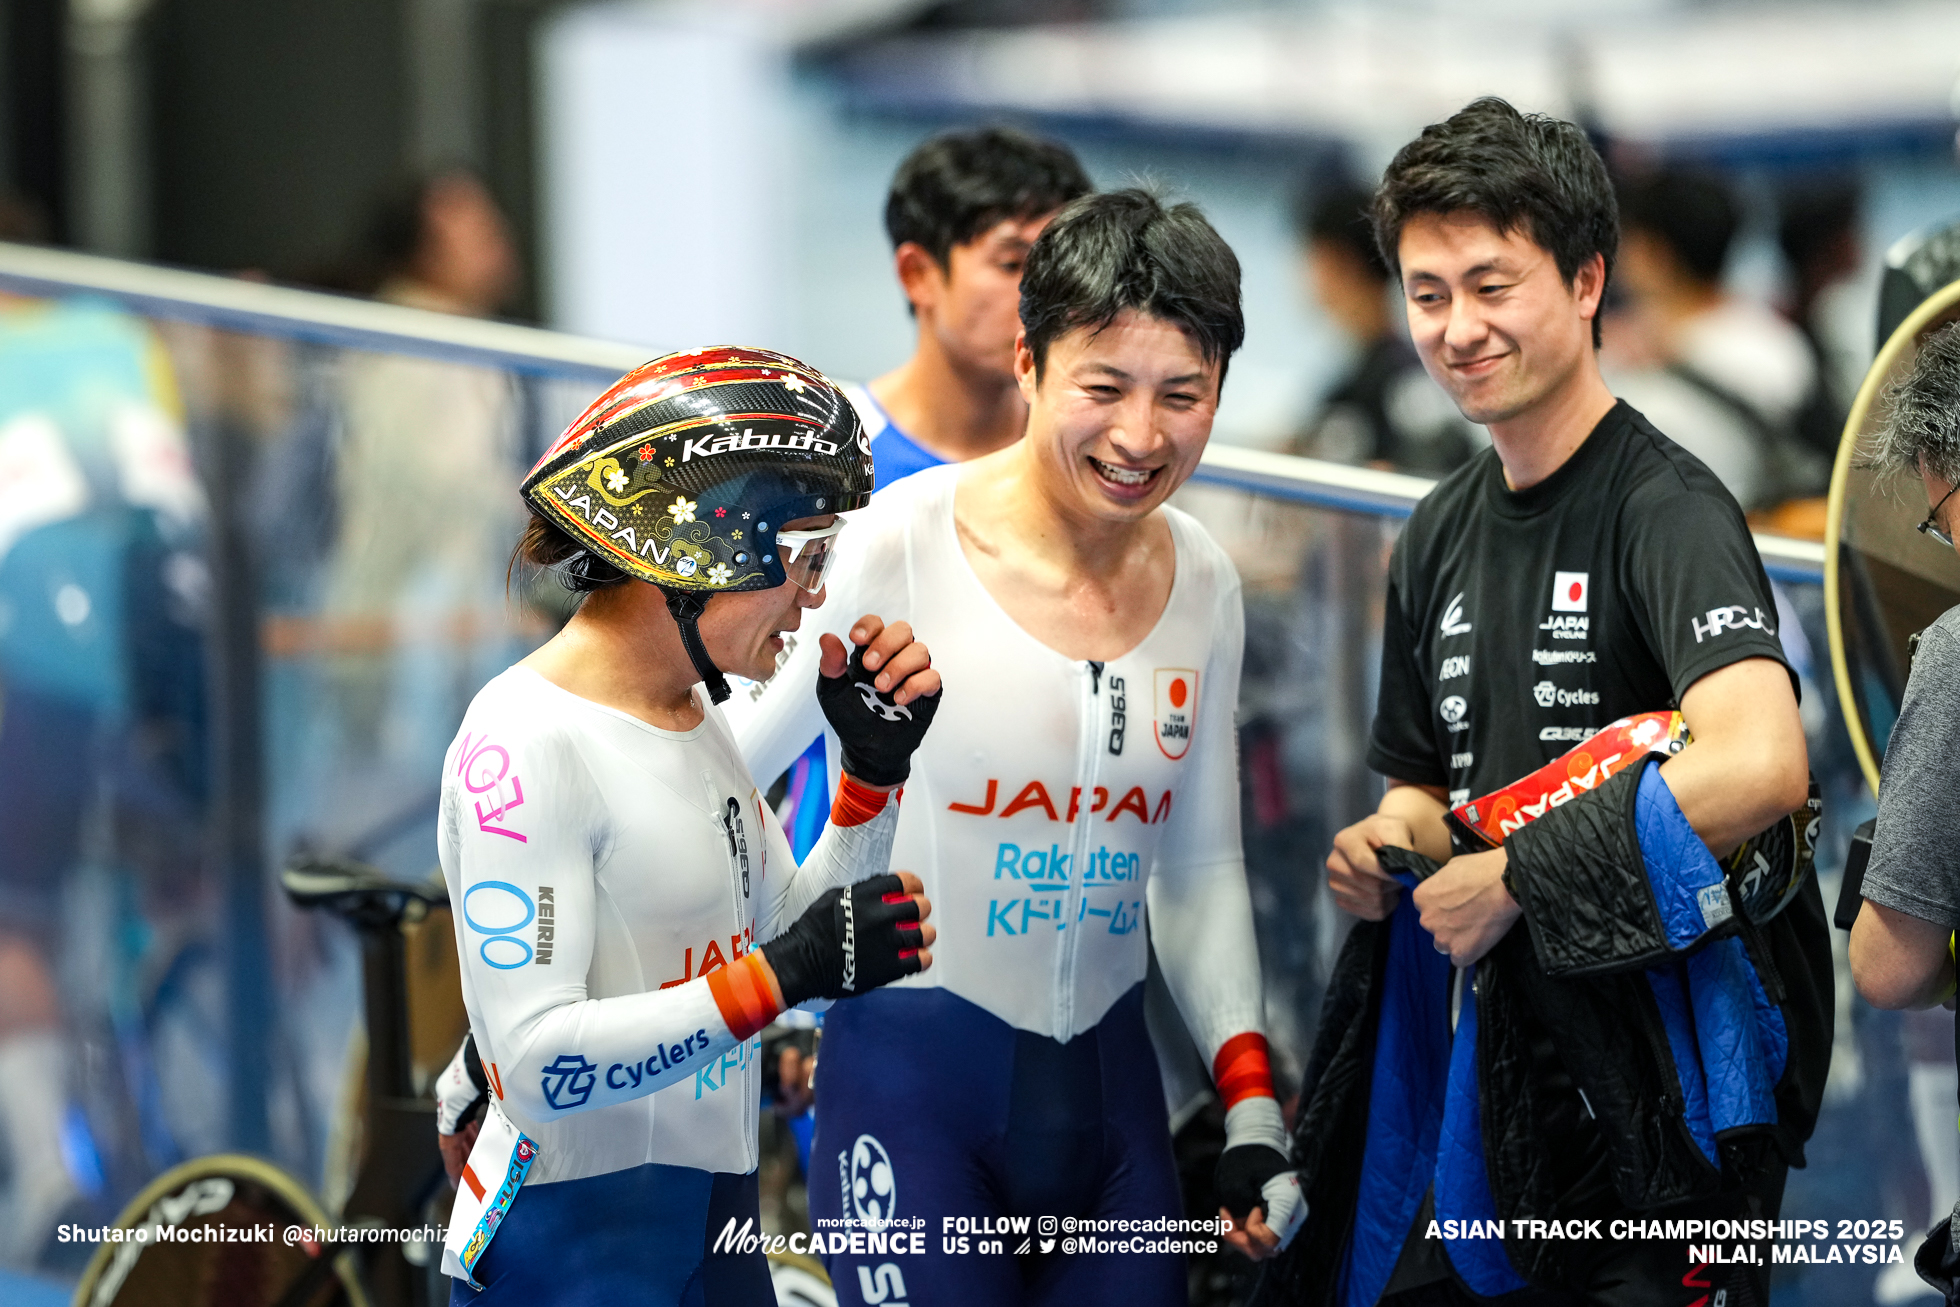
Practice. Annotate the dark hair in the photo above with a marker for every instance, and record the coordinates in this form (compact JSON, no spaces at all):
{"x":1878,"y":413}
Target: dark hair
{"x":1517,"y":171}
{"x":1922,"y":413}
{"x":1125,"y":250}
{"x":390,"y":236}
{"x":1694,"y":214}
{"x":545,"y":545}
{"x":1338,"y":216}
{"x":959,"y":184}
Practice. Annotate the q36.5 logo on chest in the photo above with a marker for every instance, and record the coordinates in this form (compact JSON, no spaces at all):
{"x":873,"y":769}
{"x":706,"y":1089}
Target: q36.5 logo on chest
{"x":1177,"y":709}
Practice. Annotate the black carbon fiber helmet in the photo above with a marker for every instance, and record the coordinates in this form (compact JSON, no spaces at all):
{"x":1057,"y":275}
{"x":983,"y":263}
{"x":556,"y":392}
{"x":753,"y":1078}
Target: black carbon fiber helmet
{"x":684,"y":470}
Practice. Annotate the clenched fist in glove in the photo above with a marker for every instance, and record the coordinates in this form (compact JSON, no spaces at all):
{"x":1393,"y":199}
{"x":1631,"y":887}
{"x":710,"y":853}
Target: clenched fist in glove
{"x":853,"y":940}
{"x":879,"y":700}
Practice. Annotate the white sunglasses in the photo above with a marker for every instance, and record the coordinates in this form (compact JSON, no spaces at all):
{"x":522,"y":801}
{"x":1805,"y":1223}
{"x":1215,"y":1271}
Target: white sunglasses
{"x":807,"y":554}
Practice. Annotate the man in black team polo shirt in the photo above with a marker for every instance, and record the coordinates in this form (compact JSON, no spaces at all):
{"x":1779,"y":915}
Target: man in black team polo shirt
{"x":1583,"y":569}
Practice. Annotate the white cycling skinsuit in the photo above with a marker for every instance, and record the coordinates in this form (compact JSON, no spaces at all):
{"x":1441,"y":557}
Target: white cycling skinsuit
{"x":1055,"y":806}
{"x":610,"y":880}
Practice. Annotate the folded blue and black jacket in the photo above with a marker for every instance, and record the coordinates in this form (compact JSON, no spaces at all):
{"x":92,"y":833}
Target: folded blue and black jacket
{"x":1660,"y":910}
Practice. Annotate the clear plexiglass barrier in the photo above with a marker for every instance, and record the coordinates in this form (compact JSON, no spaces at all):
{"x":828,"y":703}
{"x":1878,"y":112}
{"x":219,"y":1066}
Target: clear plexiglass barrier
{"x":253,"y":548}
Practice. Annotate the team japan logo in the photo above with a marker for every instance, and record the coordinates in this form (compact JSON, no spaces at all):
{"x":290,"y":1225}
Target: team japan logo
{"x":1177,"y":709}
{"x":870,"y":1184}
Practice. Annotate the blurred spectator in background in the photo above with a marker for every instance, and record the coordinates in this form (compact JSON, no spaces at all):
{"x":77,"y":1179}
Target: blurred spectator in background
{"x":384,"y":519}
{"x":1385,"y":411}
{"x":964,"y":207}
{"x":102,"y":751}
{"x":436,"y":241}
{"x":1724,"y":376}
{"x":401,"y":565}
{"x":1818,"y":224}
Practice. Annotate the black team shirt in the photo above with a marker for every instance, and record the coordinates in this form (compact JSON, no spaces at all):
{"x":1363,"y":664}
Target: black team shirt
{"x":1520,"y":622}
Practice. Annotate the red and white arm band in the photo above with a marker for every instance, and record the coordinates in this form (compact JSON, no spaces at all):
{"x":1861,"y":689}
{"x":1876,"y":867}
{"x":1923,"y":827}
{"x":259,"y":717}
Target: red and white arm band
{"x":743,"y":995}
{"x":1243,"y":1069}
{"x":1244,"y":1075}
{"x":858,"y":803}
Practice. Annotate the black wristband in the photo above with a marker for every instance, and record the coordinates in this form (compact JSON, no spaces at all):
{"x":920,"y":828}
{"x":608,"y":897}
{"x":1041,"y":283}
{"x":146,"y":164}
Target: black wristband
{"x":1242,"y":1173}
{"x":848,"y":942}
{"x":876,"y":735}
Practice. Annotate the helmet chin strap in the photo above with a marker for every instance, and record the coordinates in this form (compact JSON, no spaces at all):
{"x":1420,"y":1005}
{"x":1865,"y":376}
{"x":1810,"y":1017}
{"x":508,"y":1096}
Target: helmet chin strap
{"x":687,"y":606}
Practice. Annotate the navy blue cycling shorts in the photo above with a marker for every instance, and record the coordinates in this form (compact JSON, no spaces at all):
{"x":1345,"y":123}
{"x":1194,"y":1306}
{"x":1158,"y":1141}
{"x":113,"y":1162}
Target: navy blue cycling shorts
{"x":644,"y":1235}
{"x":930,"y":1108}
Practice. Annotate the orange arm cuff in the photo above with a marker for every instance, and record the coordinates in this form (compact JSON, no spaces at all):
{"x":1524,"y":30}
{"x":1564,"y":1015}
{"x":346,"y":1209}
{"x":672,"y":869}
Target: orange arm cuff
{"x":1242,"y":1069}
{"x":856,"y":804}
{"x":742,"y":993}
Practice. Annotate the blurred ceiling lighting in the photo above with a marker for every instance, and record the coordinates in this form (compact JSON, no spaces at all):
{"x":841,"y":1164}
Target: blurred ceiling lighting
{"x":1643,"y":73}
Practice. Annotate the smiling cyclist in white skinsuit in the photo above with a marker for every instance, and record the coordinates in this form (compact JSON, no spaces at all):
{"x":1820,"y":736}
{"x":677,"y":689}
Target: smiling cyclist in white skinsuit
{"x":1081,"y":777}
{"x":628,"y":913}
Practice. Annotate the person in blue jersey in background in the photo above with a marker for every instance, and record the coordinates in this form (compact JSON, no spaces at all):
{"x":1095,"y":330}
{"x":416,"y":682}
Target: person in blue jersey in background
{"x":964,"y":207}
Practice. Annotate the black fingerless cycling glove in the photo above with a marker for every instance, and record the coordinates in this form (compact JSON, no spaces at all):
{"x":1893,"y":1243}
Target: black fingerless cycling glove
{"x":877,"y":735}
{"x":1242,"y":1173}
{"x":848,"y":942}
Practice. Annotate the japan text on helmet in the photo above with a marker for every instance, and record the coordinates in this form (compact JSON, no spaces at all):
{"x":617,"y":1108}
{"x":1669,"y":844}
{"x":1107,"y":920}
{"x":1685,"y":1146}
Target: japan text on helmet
{"x":682,"y":472}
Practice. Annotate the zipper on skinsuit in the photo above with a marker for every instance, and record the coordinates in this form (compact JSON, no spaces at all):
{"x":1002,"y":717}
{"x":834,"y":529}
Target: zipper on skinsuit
{"x":725,"y":819}
{"x":1087,"y":756}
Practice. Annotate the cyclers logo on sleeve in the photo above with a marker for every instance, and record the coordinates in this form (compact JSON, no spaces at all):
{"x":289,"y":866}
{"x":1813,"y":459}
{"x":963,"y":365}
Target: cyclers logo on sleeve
{"x":1730,"y":617}
{"x":500,"y":910}
{"x":1177,"y":709}
{"x":568,"y":1081}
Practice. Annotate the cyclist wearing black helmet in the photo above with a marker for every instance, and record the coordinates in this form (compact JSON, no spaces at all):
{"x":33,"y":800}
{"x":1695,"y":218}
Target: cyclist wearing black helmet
{"x":629,"y":916}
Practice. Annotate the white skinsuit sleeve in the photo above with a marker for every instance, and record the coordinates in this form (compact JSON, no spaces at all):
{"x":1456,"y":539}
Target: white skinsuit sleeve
{"x":550,"y":1049}
{"x":1200,"y":910}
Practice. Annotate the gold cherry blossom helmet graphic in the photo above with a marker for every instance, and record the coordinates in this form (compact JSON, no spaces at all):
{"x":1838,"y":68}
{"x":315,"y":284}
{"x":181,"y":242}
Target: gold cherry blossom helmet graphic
{"x":684,"y":471}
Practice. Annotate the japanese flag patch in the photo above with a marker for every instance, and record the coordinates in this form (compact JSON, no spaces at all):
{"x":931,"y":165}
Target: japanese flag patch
{"x":1569,"y":592}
